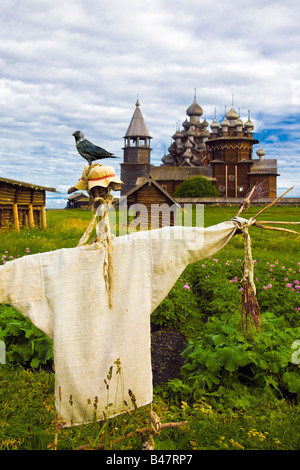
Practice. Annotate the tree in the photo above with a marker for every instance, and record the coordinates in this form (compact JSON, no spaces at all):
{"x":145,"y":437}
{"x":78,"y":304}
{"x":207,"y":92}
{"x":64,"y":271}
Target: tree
{"x":197,"y":186}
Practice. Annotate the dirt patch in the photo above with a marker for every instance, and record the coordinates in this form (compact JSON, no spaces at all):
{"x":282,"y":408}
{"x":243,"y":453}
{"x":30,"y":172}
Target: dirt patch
{"x":166,"y":348}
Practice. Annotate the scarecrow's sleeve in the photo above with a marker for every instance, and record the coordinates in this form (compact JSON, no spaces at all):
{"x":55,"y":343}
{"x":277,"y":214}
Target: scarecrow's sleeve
{"x":173,"y":248}
{"x":21,"y":286}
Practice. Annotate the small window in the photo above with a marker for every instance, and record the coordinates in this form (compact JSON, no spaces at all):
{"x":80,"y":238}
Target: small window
{"x":241,"y":188}
{"x":221,"y":188}
{"x":231,"y":177}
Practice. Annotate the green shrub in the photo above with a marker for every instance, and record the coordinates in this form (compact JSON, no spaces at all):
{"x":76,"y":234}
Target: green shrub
{"x":24,"y":343}
{"x":197,"y":186}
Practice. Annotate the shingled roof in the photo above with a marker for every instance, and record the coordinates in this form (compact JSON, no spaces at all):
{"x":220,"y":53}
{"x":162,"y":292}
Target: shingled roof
{"x":137,"y":126}
{"x":27,"y":185}
{"x":176,"y":173}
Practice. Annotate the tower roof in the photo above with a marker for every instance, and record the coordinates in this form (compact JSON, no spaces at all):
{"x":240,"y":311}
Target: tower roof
{"x":232,"y":114}
{"x":137,"y":126}
{"x":195,"y":109}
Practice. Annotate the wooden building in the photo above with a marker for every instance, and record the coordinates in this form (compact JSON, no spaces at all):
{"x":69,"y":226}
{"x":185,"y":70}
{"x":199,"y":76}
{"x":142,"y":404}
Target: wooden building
{"x":150,"y":205}
{"x":222,"y":154}
{"x":78,"y":201}
{"x":136,"y":151}
{"x":170,"y":177}
{"x":22,"y":204}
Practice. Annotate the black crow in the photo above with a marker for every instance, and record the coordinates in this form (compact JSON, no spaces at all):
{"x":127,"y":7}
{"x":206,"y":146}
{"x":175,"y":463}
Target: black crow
{"x":88,"y":150}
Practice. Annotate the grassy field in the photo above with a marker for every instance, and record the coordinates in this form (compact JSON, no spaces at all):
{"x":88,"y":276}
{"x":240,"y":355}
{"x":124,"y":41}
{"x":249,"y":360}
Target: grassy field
{"x":233,"y":415}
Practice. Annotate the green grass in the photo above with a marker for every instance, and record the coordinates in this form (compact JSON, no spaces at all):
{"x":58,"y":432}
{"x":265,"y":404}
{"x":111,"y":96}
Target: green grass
{"x":264,"y":421}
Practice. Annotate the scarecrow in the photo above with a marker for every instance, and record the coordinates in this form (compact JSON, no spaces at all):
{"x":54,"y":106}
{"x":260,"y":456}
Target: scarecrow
{"x":98,"y":181}
{"x":97,"y":329}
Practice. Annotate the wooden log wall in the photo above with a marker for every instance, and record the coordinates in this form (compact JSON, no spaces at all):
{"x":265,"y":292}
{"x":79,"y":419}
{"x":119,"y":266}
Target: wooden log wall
{"x":22,"y":206}
{"x":149,"y":195}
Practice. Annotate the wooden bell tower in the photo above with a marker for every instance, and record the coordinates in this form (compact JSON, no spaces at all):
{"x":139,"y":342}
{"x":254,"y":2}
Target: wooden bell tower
{"x":136,"y":151}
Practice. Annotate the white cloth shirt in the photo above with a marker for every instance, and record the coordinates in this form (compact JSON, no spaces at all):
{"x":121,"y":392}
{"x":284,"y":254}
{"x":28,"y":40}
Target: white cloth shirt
{"x":63,"y":293}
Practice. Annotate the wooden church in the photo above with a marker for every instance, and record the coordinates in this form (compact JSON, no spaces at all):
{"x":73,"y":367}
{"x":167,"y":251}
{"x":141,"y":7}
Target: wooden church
{"x":221,"y":152}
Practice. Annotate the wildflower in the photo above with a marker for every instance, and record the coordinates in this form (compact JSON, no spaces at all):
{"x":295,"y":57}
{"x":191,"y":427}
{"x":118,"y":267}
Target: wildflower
{"x":297,"y":287}
{"x":236,"y":444}
{"x":286,"y":279}
{"x":203,"y":265}
{"x":269,"y":286}
{"x":186,"y":286}
{"x":27,"y":250}
{"x":289,"y":285}
{"x":296,"y":282}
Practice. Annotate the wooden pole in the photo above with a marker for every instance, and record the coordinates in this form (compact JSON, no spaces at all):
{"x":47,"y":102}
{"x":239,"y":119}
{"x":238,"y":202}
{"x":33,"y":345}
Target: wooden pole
{"x":44,"y":221}
{"x":16,"y":216}
{"x":30,"y":213}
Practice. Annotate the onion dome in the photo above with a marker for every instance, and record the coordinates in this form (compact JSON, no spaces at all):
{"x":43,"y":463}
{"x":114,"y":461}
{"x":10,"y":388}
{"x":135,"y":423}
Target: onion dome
{"x":187,"y":155}
{"x":168,"y":159}
{"x":249,"y":126}
{"x":194,"y":109}
{"x":172,"y":148}
{"x":239,"y":125}
{"x":215,"y":125}
{"x":232,"y":115}
{"x":260,"y":153}
{"x":177,"y":135}
{"x":188,"y":144}
{"x":224,"y":123}
{"x":191,"y":131}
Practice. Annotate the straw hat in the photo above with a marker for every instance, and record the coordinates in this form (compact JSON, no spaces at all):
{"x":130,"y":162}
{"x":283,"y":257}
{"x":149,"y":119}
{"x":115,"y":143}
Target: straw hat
{"x":97,"y":175}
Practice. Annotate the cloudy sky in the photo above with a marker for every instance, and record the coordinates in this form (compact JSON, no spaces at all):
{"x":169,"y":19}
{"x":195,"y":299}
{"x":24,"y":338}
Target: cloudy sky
{"x":80,"y":64}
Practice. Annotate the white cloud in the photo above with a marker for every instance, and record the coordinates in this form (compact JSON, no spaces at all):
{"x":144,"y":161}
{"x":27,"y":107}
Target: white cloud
{"x":80,"y":64}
